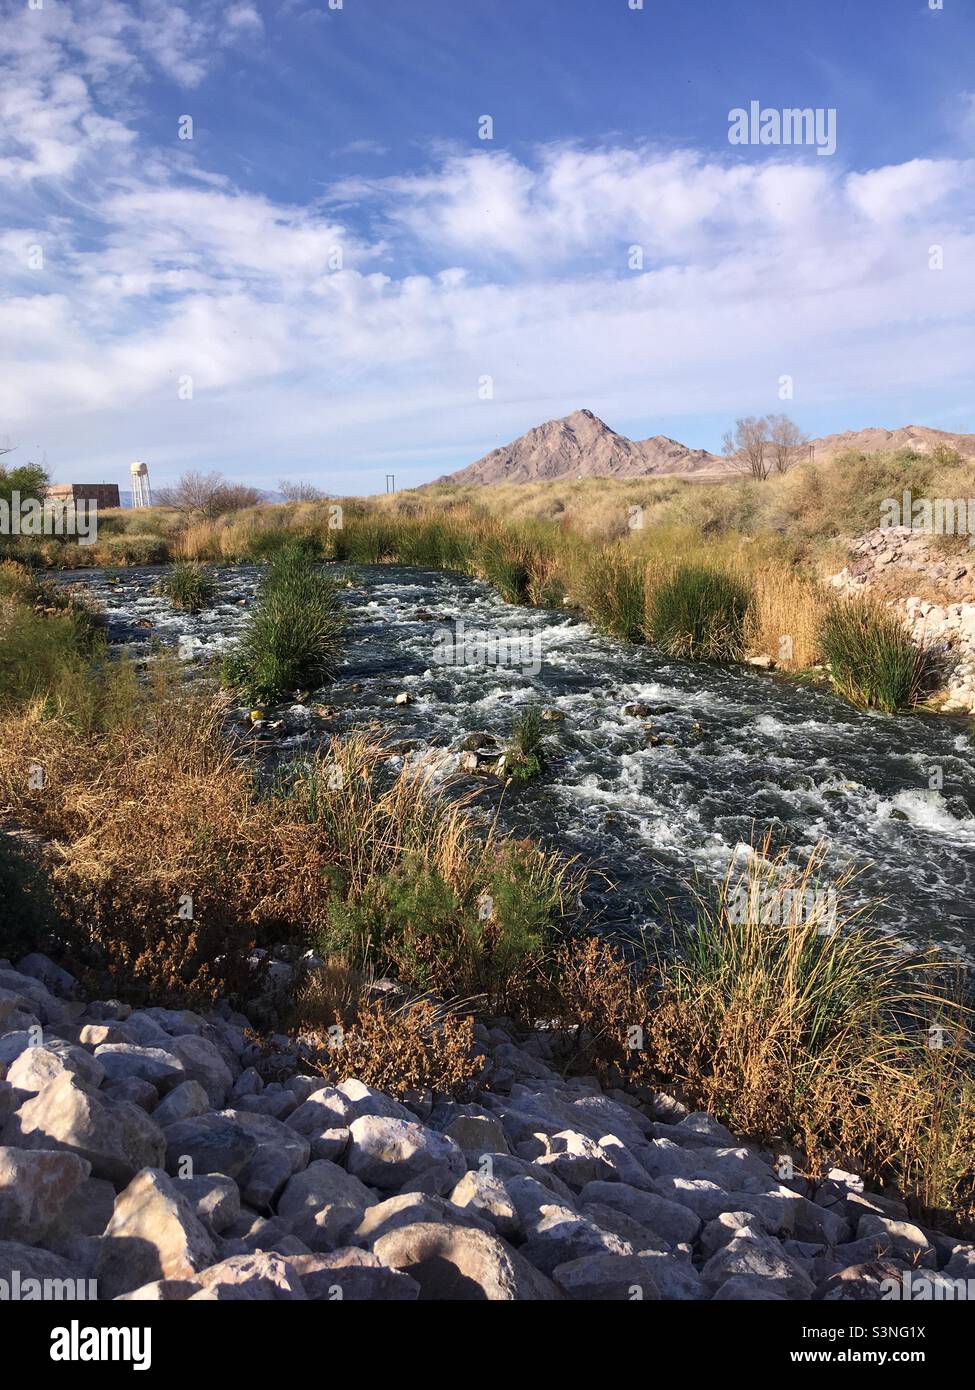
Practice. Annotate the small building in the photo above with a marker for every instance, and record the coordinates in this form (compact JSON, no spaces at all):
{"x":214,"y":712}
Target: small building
{"x":68,"y":494}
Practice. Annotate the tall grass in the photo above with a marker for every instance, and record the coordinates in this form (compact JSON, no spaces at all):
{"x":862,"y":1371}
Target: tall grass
{"x":872,"y":661}
{"x":699,"y":614}
{"x":613,"y":588}
{"x":188,"y":586}
{"x":293,"y":637}
{"x":53,"y":656}
{"x":809,"y":1027}
{"x":525,"y":750}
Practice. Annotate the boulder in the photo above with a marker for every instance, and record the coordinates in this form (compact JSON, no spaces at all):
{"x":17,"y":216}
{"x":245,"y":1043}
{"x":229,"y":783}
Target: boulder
{"x":24,"y":1271}
{"x":35,"y":1185}
{"x":280,"y":1152}
{"x":183,"y":1102}
{"x":330,"y":1144}
{"x":489,"y":1199}
{"x":477,"y":1134}
{"x":365,"y":1100}
{"x":203,"y":1062}
{"x":215,"y":1200}
{"x":153,"y":1234}
{"x":323,"y":1205}
{"x":903,"y":1238}
{"x":598,"y":1278}
{"x":162,"y":1291}
{"x":669,"y":1220}
{"x":453,"y":1262}
{"x":208,"y":1144}
{"x":116,"y":1138}
{"x":260,"y":1277}
{"x":121,"y":1061}
{"x":354,"y":1275}
{"x":36,"y":1066}
{"x":407,"y":1209}
{"x":761,"y":1257}
{"x":326,"y":1108}
{"x":388,"y":1153}
{"x":560,"y":1236}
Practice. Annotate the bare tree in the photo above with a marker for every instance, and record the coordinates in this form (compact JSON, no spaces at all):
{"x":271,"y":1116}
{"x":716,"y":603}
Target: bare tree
{"x":299,"y":492}
{"x":785,"y":441}
{"x":207,"y":495}
{"x":747,"y":444}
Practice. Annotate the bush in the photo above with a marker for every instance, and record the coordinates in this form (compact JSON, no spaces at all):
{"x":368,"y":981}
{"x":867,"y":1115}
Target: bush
{"x":872,"y":661}
{"x":188,"y":586}
{"x":525,"y":750}
{"x":294,"y":635}
{"x":699,"y":614}
{"x":29,"y":921}
{"x":401,"y":1050}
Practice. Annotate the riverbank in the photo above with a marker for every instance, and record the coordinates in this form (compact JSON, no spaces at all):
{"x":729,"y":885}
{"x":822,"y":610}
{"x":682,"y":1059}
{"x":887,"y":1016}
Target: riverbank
{"x":171,"y":861}
{"x":159,"y":1154}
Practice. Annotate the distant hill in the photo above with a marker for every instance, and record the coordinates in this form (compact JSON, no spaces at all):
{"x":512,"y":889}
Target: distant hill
{"x":582,"y":446}
{"x":873,"y":440}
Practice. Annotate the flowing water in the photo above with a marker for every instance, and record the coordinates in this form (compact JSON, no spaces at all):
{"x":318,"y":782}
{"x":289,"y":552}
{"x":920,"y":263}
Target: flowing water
{"x":657,"y":800}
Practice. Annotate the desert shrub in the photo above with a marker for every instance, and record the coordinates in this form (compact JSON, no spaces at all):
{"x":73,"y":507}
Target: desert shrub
{"x":603,"y":1004}
{"x":525,"y":750}
{"x":29,"y":921}
{"x":468,"y":936}
{"x":698,"y":614}
{"x":403,"y":1049}
{"x":53,"y":656}
{"x":872,"y":660}
{"x":188,"y":586}
{"x":294,"y":635}
{"x":434,"y":543}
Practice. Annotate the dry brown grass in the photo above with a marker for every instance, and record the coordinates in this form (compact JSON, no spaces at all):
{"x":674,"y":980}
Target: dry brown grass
{"x":785,"y":618}
{"x":160,"y":811}
{"x":404,"y":1049}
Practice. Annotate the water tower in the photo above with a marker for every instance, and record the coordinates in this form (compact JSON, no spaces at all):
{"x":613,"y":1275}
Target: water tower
{"x":141,"y":494}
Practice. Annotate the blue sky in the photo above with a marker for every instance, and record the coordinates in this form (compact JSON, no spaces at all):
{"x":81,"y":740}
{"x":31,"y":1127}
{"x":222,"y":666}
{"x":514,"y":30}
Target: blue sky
{"x":335,"y":278}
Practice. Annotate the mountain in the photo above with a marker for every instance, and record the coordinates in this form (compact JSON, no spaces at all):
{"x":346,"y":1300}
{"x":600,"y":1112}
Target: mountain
{"x":921,"y":438}
{"x":582,"y":446}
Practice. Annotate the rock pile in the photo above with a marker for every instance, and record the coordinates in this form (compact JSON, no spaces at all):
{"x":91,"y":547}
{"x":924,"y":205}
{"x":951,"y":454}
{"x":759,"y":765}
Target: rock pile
{"x":146,"y":1154}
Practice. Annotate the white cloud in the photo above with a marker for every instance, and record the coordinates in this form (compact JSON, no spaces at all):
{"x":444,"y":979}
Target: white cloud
{"x":156,"y":267}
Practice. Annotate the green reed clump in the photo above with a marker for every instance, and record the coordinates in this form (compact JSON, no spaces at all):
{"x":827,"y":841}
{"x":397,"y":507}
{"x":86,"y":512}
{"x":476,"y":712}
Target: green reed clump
{"x":614,"y":593}
{"x":525,"y":750}
{"x":505,"y":562}
{"x":871,"y":659}
{"x":189,"y":586}
{"x":294,"y":636}
{"x":699,"y":614}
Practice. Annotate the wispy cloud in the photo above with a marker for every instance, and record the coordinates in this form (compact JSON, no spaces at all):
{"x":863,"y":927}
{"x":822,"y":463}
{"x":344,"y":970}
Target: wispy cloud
{"x":352,"y":334}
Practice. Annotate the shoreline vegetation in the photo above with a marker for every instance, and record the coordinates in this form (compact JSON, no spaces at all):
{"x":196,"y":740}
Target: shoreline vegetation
{"x":158,"y":866}
{"x":722,"y":571}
